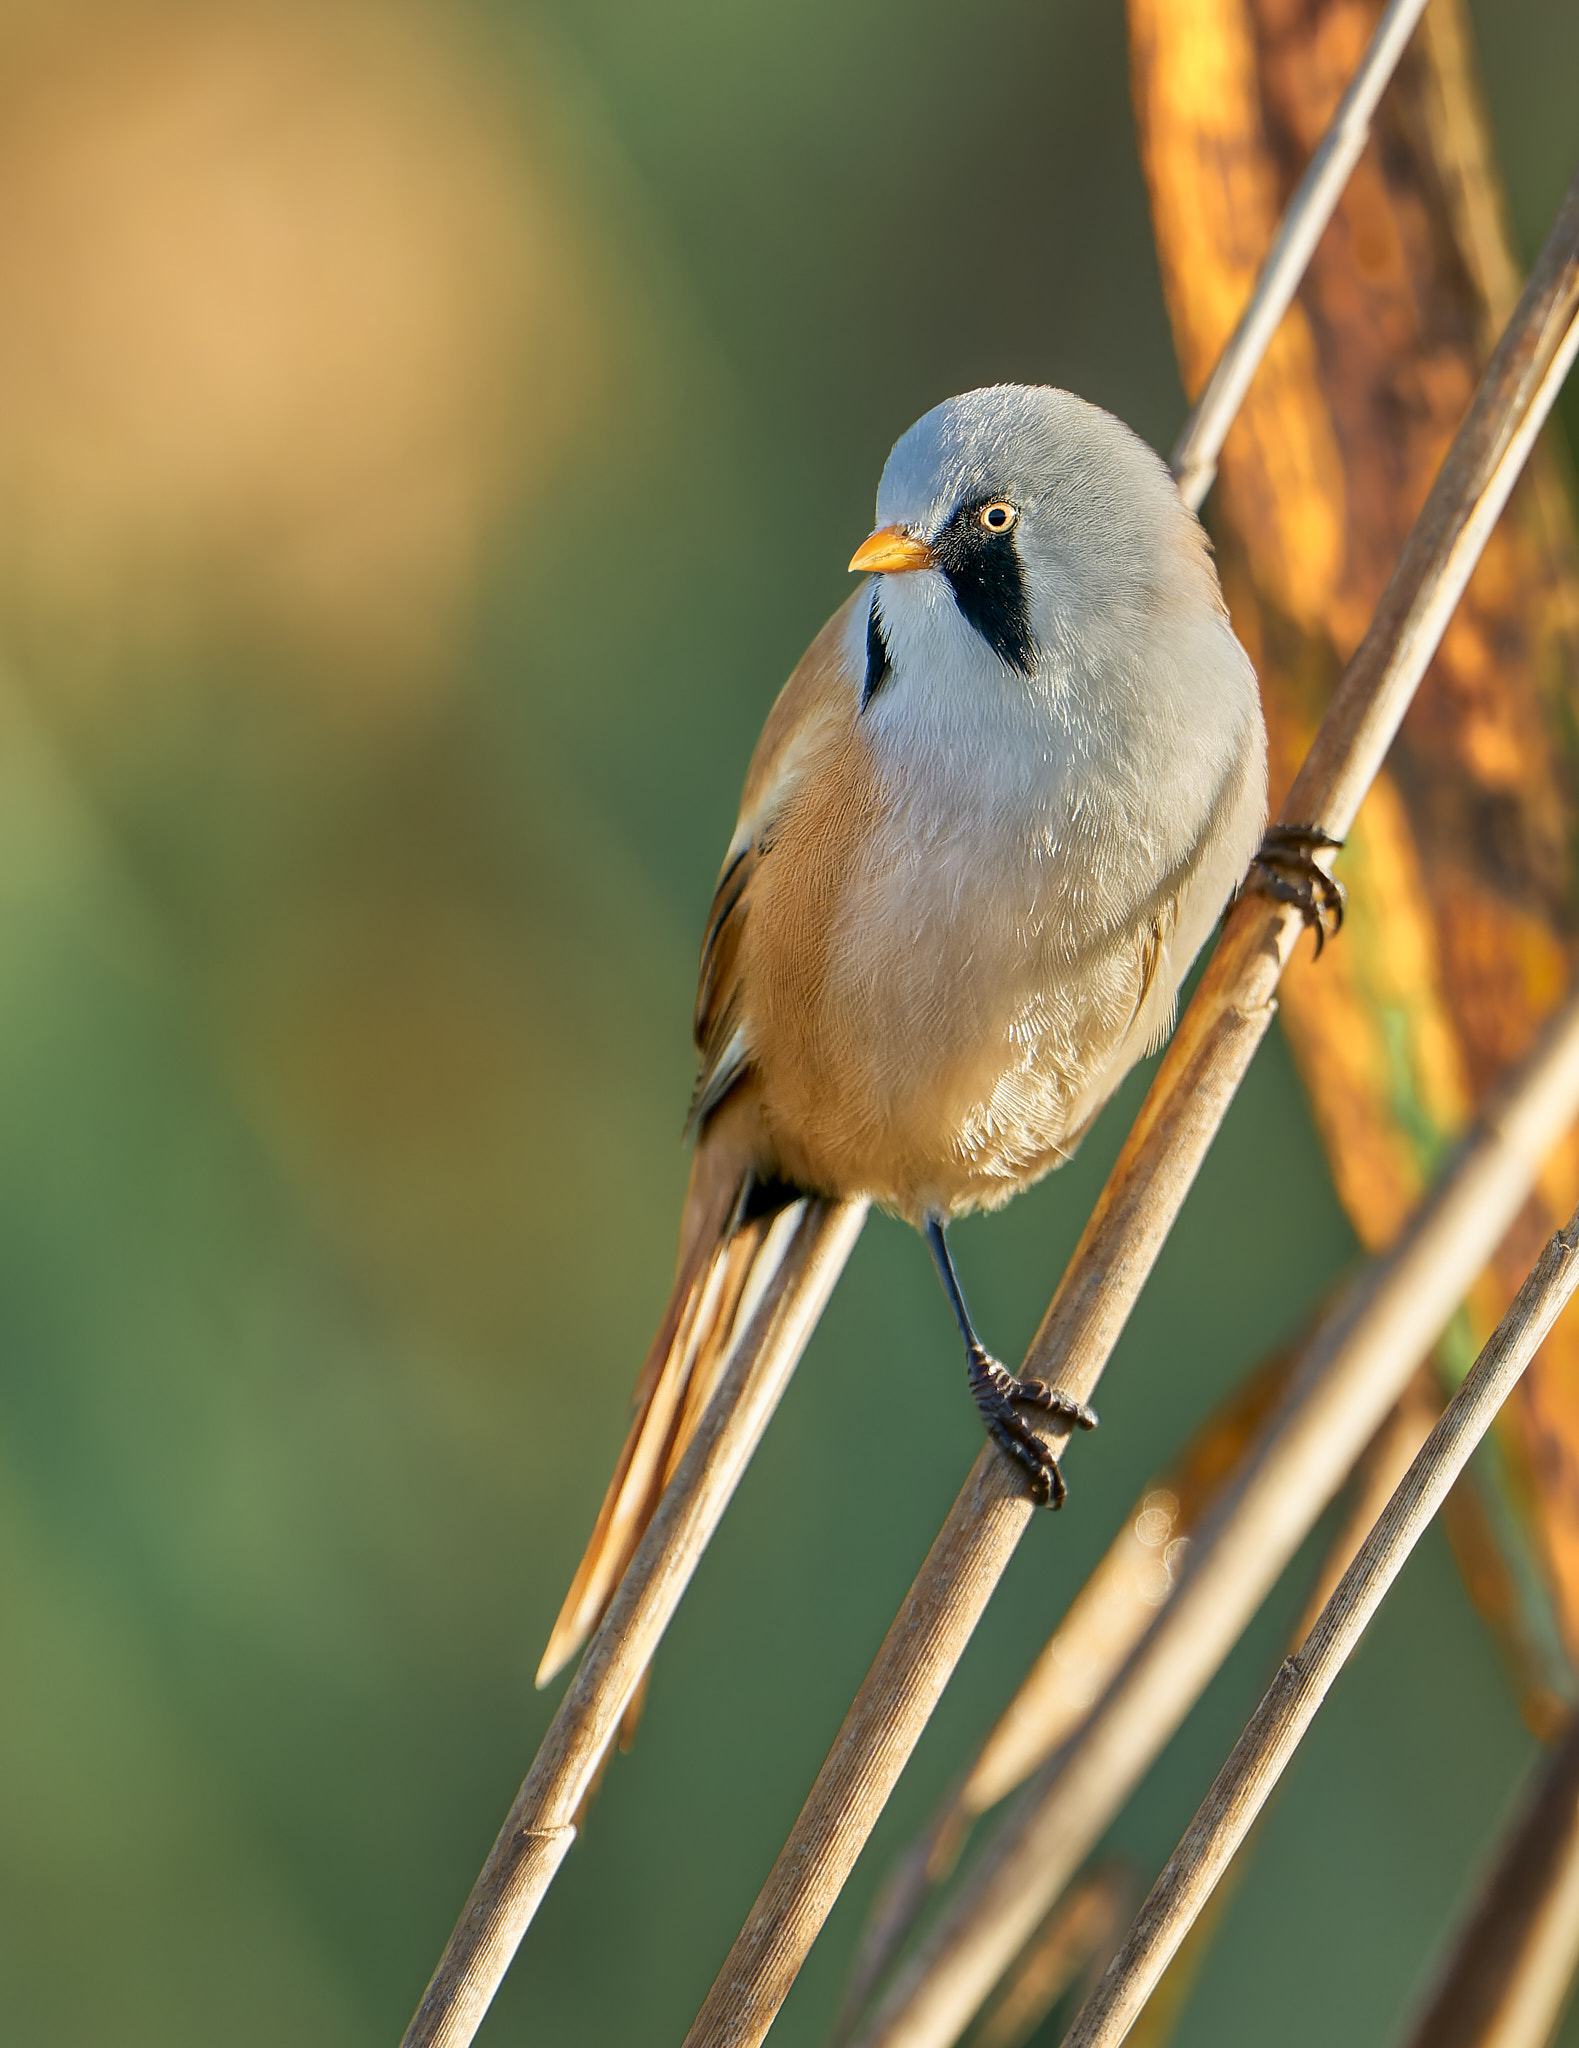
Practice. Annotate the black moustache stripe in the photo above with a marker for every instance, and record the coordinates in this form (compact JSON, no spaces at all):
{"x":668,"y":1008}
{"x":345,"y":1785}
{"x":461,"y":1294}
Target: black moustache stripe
{"x":878,"y":666}
{"x":988,"y":580}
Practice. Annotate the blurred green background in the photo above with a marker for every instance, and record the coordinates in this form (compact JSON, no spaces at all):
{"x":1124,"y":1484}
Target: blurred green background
{"x":428,"y":436}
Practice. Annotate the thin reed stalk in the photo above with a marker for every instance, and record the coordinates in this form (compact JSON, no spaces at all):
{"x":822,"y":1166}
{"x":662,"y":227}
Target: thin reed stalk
{"x":1199,"y":1075}
{"x":1078,"y":1939}
{"x":1377,"y":1475}
{"x":1506,"y":1976}
{"x":1263,"y":1752}
{"x":1382,"y":1465}
{"x":540,"y":1826}
{"x":1194,"y":459}
{"x":1353,"y":1369}
{"x":1076,"y":1666}
{"x":1120,"y":1601}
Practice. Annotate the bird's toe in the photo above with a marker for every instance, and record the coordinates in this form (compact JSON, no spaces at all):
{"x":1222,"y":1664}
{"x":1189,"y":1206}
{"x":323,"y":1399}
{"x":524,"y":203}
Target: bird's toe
{"x":1287,"y":869}
{"x":1038,"y":1394}
{"x":999,"y":1397}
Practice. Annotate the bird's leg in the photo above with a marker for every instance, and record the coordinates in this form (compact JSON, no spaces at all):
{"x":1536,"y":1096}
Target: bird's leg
{"x":999,"y":1396}
{"x":1287,"y":869}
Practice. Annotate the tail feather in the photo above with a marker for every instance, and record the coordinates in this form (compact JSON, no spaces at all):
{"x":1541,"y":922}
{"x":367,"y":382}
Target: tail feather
{"x":721,"y":1279}
{"x":627,"y":1505}
{"x":732,"y":1302}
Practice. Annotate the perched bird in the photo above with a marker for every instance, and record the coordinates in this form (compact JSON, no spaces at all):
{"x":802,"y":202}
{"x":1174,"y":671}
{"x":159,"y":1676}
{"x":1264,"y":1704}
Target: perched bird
{"x":994,"y":814}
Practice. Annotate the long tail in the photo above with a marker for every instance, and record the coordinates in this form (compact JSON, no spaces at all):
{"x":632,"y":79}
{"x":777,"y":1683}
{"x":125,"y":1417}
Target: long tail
{"x":728,"y":1258}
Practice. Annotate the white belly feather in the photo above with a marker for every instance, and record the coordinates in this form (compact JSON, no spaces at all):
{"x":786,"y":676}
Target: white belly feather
{"x":1015,"y":937}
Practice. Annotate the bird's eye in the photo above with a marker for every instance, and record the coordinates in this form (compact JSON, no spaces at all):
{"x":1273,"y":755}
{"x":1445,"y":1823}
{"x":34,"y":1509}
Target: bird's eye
{"x":997,"y":517}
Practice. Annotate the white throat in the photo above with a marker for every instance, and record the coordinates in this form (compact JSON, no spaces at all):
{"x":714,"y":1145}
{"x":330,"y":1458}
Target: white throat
{"x":954,"y":713}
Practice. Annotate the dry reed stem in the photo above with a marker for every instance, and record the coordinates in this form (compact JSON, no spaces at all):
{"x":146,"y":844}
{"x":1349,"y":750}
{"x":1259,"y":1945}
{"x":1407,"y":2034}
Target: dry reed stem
{"x":1376,"y":1477}
{"x":1079,"y":1938}
{"x":540,"y":1828}
{"x":1504,"y":1981}
{"x":1353,"y":1368}
{"x":1197,"y":1080}
{"x":1194,"y":460}
{"x":1099,"y":1630}
{"x":1119,"y":1602}
{"x":1383,"y":1465}
{"x":1274,"y":1732}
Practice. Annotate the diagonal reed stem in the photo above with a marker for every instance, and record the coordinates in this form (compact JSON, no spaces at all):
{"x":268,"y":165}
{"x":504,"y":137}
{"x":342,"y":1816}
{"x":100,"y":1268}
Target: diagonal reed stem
{"x":1073,"y":1674}
{"x":1197,"y":1080}
{"x":1375,"y":1476}
{"x":1195,"y":453}
{"x":1505,"y":1980}
{"x":540,"y":1826}
{"x":1354,"y":1366}
{"x":1263,"y":1752}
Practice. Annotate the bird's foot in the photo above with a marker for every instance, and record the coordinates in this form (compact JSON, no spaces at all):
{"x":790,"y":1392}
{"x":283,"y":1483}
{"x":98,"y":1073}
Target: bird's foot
{"x":999,"y":1397}
{"x":1286,"y":869}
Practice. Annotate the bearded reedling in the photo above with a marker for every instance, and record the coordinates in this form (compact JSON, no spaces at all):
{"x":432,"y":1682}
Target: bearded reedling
{"x":993,"y":816}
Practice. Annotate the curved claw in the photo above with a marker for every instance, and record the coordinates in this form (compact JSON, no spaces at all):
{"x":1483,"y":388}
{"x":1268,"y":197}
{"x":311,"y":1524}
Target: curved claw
{"x":1287,"y":870}
{"x":998,"y":1396}
{"x":1038,"y":1394}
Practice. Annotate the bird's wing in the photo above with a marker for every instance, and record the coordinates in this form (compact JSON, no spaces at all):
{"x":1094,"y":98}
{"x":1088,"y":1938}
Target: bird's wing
{"x":821,"y":693}
{"x":723,"y":1255}
{"x":719,"y":1028}
{"x":1155,"y":998}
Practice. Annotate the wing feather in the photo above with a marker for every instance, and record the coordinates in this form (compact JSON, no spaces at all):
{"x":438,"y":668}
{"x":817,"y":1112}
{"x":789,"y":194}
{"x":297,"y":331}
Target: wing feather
{"x":823,"y":689}
{"x":721,"y":1039}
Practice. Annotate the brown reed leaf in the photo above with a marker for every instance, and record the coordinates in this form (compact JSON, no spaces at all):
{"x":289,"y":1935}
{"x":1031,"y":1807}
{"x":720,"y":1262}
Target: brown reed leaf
{"x":1463,"y":893}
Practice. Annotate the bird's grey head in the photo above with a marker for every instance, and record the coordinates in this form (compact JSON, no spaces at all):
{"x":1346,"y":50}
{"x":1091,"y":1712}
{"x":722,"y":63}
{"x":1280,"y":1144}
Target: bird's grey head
{"x":1032,"y":516}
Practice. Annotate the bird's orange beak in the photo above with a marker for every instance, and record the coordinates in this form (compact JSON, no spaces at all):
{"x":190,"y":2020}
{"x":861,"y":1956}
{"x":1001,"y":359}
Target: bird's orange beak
{"x":890,"y":552}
